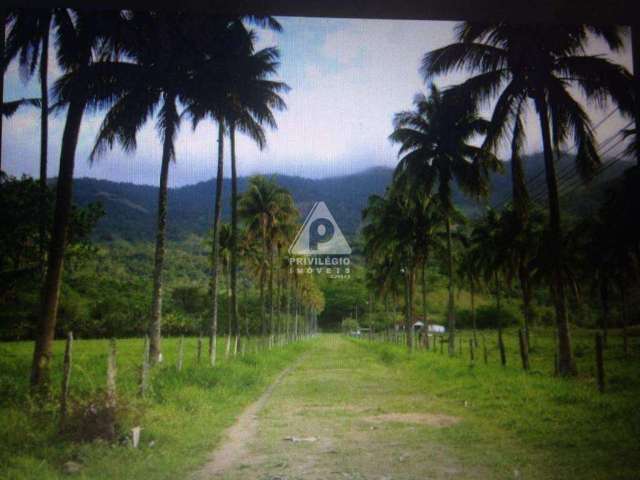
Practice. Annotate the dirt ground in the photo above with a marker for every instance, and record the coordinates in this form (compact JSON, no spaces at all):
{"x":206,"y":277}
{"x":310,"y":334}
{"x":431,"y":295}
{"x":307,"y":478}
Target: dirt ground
{"x":337,"y":415}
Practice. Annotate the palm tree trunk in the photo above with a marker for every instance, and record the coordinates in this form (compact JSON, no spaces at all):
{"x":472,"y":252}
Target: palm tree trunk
{"x":503,"y":358}
{"x":271,"y":299}
{"x":296,"y":307}
{"x":407,"y":308}
{"x":62,"y":215}
{"x":215,"y":248}
{"x":625,"y":320}
{"x":3,"y":21}
{"x":234,"y":229}
{"x":263,"y":309}
{"x":604,"y":297}
{"x":228,"y":347}
{"x":472,"y":288}
{"x":525,"y":287}
{"x":424,"y":302}
{"x":44,"y":133}
{"x":635,"y":52}
{"x":451,"y":316}
{"x":566,"y":363}
{"x":155,"y":325}
{"x":518,"y":185}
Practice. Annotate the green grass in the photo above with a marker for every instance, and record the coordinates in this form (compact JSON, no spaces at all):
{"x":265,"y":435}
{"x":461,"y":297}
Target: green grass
{"x":513,"y":424}
{"x":540,"y":425}
{"x":182,"y":417}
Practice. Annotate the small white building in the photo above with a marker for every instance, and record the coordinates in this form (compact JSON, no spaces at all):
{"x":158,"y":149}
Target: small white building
{"x":419,"y":325}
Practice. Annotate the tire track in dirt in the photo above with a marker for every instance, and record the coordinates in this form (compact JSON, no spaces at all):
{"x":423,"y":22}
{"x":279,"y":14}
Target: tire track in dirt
{"x":234,"y":444}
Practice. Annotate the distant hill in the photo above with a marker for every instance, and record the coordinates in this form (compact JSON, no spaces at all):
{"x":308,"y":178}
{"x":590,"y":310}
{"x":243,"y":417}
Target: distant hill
{"x":131,"y":209}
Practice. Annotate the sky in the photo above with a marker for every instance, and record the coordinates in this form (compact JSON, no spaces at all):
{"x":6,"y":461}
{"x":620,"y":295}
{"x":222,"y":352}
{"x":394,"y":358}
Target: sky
{"x":347,"y":77}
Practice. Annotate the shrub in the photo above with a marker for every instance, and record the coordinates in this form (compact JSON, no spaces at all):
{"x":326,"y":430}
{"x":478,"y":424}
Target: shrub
{"x":96,"y":419}
{"x":489,"y":316}
{"x":349,"y":325}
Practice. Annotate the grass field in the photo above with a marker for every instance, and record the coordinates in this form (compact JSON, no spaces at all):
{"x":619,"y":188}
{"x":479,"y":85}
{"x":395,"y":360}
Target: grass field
{"x":562,"y":428}
{"x":512,"y":424}
{"x":182,"y":417}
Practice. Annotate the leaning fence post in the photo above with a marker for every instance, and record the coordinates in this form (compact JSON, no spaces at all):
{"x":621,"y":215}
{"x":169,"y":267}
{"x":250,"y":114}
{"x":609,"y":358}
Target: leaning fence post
{"x":524,"y":349}
{"x":180,"y":353}
{"x":503,"y":355}
{"x":144,"y":374}
{"x":111,"y":374}
{"x":600,"y":361}
{"x":66,"y":374}
{"x":471,"y":355}
{"x":484,"y":351}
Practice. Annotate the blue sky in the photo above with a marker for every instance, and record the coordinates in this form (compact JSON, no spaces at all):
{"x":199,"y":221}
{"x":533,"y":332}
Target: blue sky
{"x":348,"y":78}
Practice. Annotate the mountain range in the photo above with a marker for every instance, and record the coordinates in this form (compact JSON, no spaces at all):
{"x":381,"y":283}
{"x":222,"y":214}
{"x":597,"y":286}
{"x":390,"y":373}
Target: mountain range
{"x":131,"y":209}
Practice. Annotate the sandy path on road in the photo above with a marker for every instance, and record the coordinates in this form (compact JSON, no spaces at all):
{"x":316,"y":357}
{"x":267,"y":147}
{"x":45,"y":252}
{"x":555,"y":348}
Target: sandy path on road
{"x":355,"y":421}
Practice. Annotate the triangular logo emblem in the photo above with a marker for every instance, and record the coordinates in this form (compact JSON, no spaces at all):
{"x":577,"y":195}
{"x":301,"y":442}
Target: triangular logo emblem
{"x":320,"y":235}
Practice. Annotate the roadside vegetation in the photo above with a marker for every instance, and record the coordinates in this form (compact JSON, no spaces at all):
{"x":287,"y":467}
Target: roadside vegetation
{"x":528,"y":425}
{"x":182,"y":416}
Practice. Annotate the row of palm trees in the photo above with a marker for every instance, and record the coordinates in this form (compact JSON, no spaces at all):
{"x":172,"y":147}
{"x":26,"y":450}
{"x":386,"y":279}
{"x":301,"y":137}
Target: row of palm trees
{"x":513,"y":67}
{"x":141,"y":66}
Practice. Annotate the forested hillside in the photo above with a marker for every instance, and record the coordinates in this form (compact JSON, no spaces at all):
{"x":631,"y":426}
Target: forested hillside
{"x":130,"y":209}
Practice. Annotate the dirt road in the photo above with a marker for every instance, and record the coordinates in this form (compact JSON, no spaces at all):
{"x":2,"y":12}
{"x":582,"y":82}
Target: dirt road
{"x":340,"y":413}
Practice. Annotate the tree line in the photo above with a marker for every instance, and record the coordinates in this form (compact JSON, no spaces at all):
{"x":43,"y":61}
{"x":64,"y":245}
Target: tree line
{"x":164,"y":67}
{"x":514,"y":68}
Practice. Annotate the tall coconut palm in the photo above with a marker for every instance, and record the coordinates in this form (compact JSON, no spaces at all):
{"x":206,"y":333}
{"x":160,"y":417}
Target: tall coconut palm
{"x":435,"y":150}
{"x":82,"y":39}
{"x":209,"y":93}
{"x":398,"y":237}
{"x":254,"y":97}
{"x":28,"y":40}
{"x":268,"y":210}
{"x":150,"y":83}
{"x":539,"y":63}
{"x":5,"y":17}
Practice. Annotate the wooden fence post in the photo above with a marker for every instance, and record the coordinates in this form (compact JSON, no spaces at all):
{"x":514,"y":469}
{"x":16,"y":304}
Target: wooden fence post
{"x":600,"y":361}
{"x":484,"y":351}
{"x":503,"y":355}
{"x":524,"y":349}
{"x":66,"y":374}
{"x":180,"y":353}
{"x":199,"y":350}
{"x":441,"y":344}
{"x":460,"y":344}
{"x":112,"y":372}
{"x":625,"y":339}
{"x":144,"y":374}
{"x":471,"y":355}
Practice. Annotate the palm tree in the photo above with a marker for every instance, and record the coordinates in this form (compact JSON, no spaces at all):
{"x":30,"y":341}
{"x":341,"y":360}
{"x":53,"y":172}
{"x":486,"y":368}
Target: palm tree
{"x":434,"y":149}
{"x":224,"y":257}
{"x":269,"y":211}
{"x":82,"y":39}
{"x":153,"y":81}
{"x":469,"y":271}
{"x":252,"y":99}
{"x":398,"y":237}
{"x":5,"y":17}
{"x":29,"y":40}
{"x":211,"y":92}
{"x":539,"y":63}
